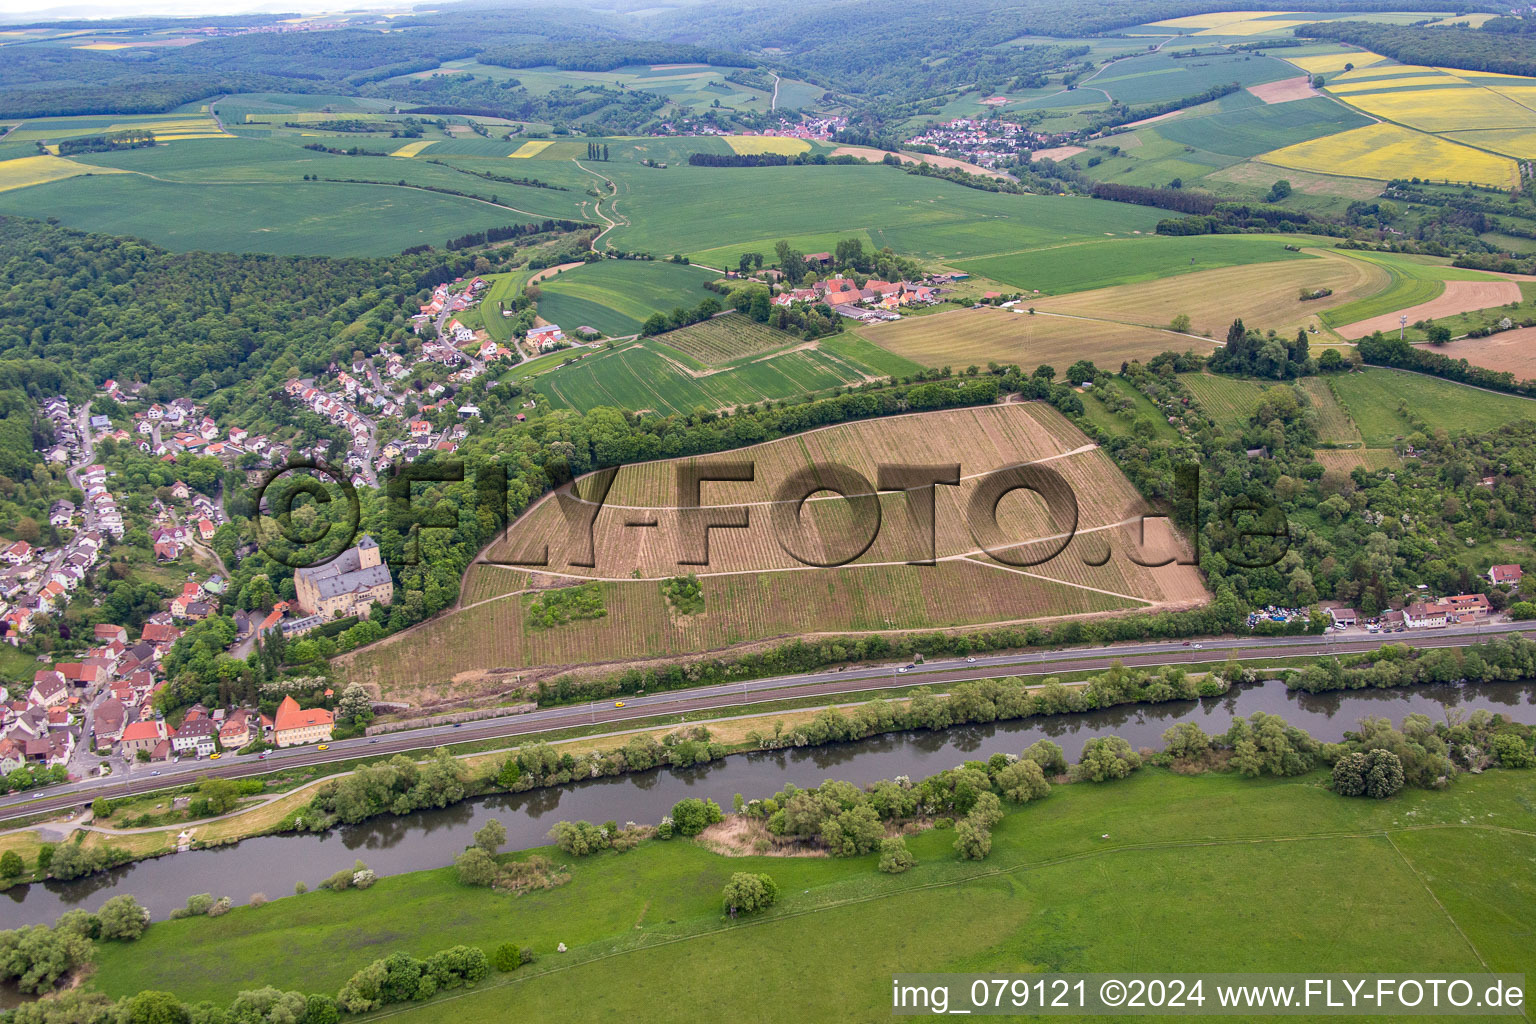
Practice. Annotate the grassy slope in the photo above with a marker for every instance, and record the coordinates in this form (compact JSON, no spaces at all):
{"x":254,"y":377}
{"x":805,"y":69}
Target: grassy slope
{"x":1414,"y":280}
{"x":1187,"y":861}
{"x":1372,"y":399}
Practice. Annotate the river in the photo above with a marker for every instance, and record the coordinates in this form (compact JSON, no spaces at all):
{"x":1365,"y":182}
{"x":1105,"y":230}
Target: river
{"x":430,"y":839}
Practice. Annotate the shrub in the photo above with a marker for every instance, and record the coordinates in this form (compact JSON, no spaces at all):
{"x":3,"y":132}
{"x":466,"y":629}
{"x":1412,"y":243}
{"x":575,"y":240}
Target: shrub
{"x":364,"y":879}
{"x":972,"y":841}
{"x":1374,"y":773}
{"x":1049,"y":756}
{"x":747,"y":893}
{"x":122,"y":918}
{"x":197,"y":906}
{"x":1104,"y":758}
{"x":11,"y":864}
{"x":1512,"y":751}
{"x":220,"y":907}
{"x":1023,"y":781}
{"x":476,"y":867}
{"x":506,"y":957}
{"x":895,"y":857}
{"x":692,"y":816}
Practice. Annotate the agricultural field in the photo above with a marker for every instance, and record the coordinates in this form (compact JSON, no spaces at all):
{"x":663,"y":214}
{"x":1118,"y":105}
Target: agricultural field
{"x":755,"y":145}
{"x":1505,"y":352}
{"x":1159,"y":77}
{"x":26,"y":171}
{"x":724,"y":340}
{"x":333,"y":219}
{"x":166,"y":127}
{"x":1264,"y":295}
{"x":1389,"y":150}
{"x":1380,"y":402}
{"x":1228,"y":401}
{"x":975,"y":337}
{"x":714,"y":214}
{"x":616,"y":296}
{"x":1413,"y":283}
{"x":1253,"y":130}
{"x":755,"y":588}
{"x":647,"y":375}
{"x":644,"y":931}
{"x":1347,"y":460}
{"x":1438,"y":100}
{"x":1333,"y":423}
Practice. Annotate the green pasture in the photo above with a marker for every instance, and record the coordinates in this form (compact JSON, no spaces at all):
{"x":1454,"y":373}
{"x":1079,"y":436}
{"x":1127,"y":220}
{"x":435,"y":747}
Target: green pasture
{"x":1252,"y":130}
{"x":616,"y":296}
{"x":1160,"y":77}
{"x":1104,"y":262}
{"x":1136,"y":875}
{"x":1381,"y":400}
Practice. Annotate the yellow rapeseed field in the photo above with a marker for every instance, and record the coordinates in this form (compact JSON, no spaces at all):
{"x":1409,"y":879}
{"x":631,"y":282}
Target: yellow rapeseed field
{"x":1252,"y":27}
{"x":38,"y":170}
{"x":756,"y":144}
{"x":1516,"y":142}
{"x":1327,"y":63}
{"x":1344,"y":84}
{"x":1444,"y":109}
{"x":1386,"y":151}
{"x":412,"y":148}
{"x":531,"y":148}
{"x":1212,"y":20}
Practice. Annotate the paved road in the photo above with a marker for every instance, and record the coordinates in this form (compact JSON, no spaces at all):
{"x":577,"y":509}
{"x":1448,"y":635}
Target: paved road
{"x":138,"y":779}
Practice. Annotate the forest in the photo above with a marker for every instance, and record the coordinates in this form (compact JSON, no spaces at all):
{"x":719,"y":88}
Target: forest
{"x":1503,"y":52}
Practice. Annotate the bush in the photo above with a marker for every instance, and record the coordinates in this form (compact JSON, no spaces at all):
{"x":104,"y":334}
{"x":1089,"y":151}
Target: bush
{"x":1374,"y":773}
{"x":506,"y":957}
{"x":197,"y":906}
{"x":11,"y":864}
{"x":972,"y":841}
{"x":747,"y":893}
{"x":1022,"y":782}
{"x":1512,"y":751}
{"x":1104,"y":758}
{"x":692,"y":816}
{"x":122,"y":918}
{"x":580,"y":838}
{"x":476,"y":867}
{"x":895,"y":858}
{"x":1050,"y":757}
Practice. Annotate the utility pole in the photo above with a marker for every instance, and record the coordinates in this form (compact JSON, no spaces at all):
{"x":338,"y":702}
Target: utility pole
{"x":1402,"y":325}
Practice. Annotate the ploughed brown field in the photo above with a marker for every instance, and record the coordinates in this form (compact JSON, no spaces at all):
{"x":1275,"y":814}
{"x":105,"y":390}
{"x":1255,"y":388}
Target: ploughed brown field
{"x":756,"y":588}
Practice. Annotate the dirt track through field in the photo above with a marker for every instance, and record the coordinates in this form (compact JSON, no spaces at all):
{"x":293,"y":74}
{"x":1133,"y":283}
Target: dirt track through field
{"x":1458,"y":297}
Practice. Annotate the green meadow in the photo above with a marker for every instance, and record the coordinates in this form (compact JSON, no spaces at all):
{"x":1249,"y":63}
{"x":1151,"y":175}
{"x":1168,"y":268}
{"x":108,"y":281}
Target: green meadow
{"x":1079,"y":881}
{"x":1414,"y":279}
{"x":1100,"y":262}
{"x":616,"y":296}
{"x":1378,"y":399}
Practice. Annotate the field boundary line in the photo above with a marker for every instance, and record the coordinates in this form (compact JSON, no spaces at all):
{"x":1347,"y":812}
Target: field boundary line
{"x":1413,"y":869}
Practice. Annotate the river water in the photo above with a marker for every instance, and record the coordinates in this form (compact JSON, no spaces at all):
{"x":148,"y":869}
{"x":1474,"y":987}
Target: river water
{"x":430,"y":839}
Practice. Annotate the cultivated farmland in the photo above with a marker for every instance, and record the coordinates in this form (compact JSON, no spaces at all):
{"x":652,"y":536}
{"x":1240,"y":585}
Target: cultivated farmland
{"x":755,"y":589}
{"x":1505,"y":352}
{"x":1229,"y":401}
{"x":615,"y":296}
{"x":725,"y":339}
{"x":37,"y":170}
{"x":964,"y":337}
{"x":1333,"y":423}
{"x":1265,"y":296}
{"x":1385,"y":151}
{"x":759,"y":144}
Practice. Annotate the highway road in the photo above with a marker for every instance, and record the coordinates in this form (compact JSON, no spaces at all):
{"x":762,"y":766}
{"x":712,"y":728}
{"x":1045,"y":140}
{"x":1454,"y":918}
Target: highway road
{"x":822,"y":683}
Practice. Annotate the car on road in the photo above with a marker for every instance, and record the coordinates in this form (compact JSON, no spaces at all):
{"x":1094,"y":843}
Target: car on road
{"x":903,"y":668}
{"x":970,"y":661}
{"x":1186,"y":643}
{"x":214,"y":757}
{"x":1198,"y":646}
{"x":155,"y":772}
{"x":373,"y":741}
{"x":324,"y":746}
{"x":618,"y":703}
{"x":262,"y":756}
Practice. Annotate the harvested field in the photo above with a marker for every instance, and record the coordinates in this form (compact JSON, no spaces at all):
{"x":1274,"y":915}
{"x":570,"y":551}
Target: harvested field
{"x":1458,"y":297}
{"x":965,"y":336}
{"x":38,"y":170}
{"x":1265,"y":296}
{"x":1285,"y":90}
{"x":1505,"y":352}
{"x":877,"y":155}
{"x":755,"y":590}
{"x":1348,"y":460}
{"x":1062,"y":152}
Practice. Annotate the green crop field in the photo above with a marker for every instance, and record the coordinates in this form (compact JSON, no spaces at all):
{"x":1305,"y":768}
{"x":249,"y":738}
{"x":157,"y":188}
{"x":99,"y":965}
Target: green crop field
{"x":317,"y":218}
{"x":1438,"y":881}
{"x":1159,"y":77}
{"x":1099,"y":263}
{"x":727,"y":339}
{"x":615,"y":296}
{"x":1378,"y":400}
{"x":713,"y":214}
{"x":1259,"y":129}
{"x":643,"y":376}
{"x":1333,"y":423}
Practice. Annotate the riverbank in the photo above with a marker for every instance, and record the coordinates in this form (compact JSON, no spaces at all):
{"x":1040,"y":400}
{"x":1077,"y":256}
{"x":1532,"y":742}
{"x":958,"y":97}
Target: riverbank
{"x":1156,"y":872}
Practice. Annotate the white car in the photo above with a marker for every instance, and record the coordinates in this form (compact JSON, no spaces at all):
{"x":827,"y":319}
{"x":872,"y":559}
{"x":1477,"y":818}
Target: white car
{"x":1198,"y":646}
{"x":970,"y":661}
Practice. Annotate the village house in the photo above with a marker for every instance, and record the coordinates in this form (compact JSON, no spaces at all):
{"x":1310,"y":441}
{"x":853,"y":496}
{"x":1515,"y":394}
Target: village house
{"x":1506,"y":574}
{"x":145,"y":736}
{"x":196,"y":736}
